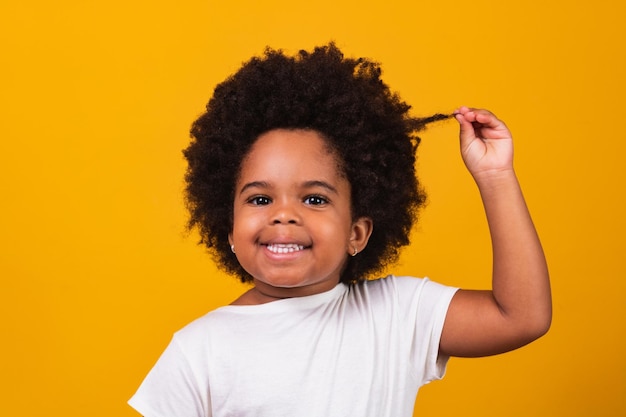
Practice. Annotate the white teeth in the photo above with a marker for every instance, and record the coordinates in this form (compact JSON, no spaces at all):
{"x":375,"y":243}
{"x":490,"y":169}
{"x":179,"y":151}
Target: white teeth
{"x":284,"y":248}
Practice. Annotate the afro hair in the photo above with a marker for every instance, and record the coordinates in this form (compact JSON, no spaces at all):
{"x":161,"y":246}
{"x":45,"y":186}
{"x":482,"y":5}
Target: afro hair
{"x":343,"y":99}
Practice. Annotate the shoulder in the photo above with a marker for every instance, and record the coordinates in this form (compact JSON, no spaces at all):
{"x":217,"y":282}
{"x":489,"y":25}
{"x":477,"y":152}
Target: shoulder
{"x":201,"y":329}
{"x":403,"y":291}
{"x":401,"y":285}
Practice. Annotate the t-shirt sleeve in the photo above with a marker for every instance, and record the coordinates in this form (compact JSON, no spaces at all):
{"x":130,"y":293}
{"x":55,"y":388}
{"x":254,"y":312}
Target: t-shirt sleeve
{"x":172,"y":388}
{"x":427,"y":305}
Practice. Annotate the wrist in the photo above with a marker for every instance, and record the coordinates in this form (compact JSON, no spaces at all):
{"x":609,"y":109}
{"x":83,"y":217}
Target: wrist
{"x":495,"y":180}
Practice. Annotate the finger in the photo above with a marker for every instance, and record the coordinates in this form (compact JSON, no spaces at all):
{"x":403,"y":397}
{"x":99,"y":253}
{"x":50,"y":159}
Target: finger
{"x":484,"y":122}
{"x":486,"y":118}
{"x":467,"y":129}
{"x":468,"y":113}
{"x":464,"y":111}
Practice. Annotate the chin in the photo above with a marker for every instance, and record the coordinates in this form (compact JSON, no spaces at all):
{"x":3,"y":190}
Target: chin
{"x":283,"y":283}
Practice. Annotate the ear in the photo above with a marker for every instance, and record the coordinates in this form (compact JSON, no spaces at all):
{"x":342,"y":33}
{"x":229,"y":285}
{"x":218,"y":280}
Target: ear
{"x":359,"y":236}
{"x":230,"y":238}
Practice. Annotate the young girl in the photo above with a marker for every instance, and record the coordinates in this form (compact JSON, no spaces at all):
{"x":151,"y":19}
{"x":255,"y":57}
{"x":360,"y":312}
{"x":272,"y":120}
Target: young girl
{"x":301,"y":182}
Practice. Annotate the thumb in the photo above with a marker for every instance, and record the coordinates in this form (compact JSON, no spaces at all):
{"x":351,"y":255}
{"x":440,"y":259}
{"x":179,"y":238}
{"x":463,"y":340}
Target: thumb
{"x":466,"y":120}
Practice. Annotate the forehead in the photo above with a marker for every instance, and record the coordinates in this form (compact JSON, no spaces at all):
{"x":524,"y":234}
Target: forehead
{"x":291,"y":152}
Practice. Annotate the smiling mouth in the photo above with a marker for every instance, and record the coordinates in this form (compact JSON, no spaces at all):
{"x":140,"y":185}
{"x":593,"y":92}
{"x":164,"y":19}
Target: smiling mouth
{"x":284,"y":248}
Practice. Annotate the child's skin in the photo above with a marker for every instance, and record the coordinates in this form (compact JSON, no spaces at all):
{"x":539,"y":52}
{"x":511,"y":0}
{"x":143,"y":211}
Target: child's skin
{"x":293,"y":232}
{"x":518,"y":309}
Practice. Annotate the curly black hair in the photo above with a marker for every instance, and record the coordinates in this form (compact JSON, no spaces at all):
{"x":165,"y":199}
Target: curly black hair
{"x":343,"y":99}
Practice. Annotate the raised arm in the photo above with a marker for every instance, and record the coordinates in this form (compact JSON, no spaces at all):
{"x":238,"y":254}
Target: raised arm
{"x":518,"y":309}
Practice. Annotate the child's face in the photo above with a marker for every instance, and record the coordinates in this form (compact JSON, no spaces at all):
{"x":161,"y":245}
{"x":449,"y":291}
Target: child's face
{"x":292,"y":228}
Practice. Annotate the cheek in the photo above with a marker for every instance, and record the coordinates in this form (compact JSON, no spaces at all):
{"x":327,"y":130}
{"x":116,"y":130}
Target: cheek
{"x":335,"y":231}
{"x":245,"y":224}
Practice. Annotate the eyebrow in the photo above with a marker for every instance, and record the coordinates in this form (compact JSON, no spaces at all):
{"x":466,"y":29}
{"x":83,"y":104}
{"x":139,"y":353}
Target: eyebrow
{"x":306,"y":184}
{"x":254,"y":184}
{"x":322,"y":184}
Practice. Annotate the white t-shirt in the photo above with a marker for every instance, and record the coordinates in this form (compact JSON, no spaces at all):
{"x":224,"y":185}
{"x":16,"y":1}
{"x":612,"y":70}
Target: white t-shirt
{"x":361,"y":350}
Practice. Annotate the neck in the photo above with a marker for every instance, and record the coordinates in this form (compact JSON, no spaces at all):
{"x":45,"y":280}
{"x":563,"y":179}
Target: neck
{"x":263,"y":293}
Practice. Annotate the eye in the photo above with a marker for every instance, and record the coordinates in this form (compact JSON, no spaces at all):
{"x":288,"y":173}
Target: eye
{"x":259,"y":200}
{"x":315,"y":200}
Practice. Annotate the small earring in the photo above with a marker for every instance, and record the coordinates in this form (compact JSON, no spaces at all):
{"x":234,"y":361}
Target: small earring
{"x":232,"y":248}
{"x":355,"y":251}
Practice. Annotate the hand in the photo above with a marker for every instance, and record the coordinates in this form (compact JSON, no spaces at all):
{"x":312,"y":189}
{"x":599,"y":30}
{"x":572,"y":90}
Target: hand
{"x":486,"y":143}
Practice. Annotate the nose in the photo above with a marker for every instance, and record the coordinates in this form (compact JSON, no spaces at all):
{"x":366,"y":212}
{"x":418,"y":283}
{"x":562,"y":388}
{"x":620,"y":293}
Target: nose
{"x":285,"y":213}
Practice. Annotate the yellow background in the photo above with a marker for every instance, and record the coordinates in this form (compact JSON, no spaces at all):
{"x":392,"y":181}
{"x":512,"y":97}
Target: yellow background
{"x":96,"y":102}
